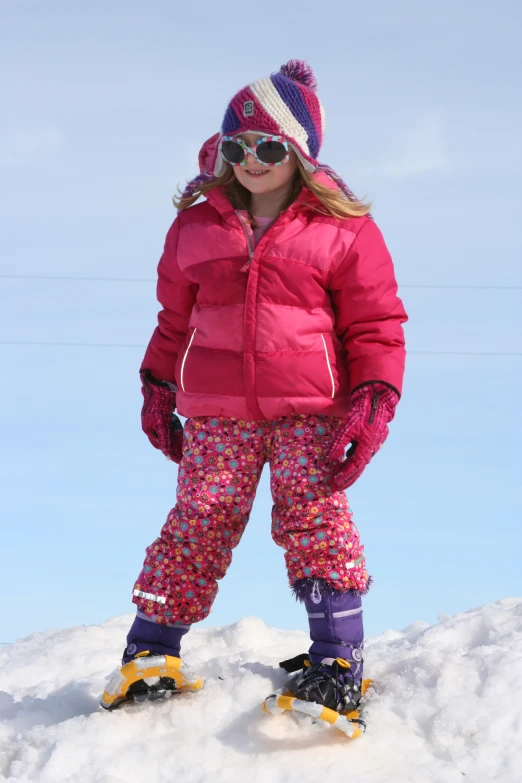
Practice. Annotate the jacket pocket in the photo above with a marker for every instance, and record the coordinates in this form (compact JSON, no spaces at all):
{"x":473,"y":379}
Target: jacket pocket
{"x":329,"y":366}
{"x":185,"y":359}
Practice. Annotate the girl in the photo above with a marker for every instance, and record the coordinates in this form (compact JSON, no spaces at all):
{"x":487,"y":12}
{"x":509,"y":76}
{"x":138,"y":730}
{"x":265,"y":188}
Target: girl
{"x":280,"y":340}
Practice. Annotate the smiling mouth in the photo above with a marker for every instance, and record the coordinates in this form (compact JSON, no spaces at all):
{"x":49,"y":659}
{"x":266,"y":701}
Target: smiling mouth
{"x":255,"y":173}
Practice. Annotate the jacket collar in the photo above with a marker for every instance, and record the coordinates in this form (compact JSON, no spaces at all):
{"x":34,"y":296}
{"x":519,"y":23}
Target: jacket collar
{"x":219,"y":200}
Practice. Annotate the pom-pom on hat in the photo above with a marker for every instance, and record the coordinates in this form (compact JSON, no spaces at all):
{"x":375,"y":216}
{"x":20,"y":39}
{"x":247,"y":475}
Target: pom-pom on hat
{"x":286,"y":104}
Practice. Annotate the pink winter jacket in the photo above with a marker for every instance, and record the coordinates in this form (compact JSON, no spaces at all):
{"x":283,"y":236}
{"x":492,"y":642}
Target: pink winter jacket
{"x":291,"y":326}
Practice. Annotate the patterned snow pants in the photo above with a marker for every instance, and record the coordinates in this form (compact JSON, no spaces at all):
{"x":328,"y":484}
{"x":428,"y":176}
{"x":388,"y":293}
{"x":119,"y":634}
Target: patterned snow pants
{"x":218,"y":476}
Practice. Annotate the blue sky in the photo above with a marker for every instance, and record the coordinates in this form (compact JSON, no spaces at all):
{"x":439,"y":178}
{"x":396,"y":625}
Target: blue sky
{"x":104,"y":109}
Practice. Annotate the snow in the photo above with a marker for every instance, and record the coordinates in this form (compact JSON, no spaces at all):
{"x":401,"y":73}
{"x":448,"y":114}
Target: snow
{"x":445,"y":707}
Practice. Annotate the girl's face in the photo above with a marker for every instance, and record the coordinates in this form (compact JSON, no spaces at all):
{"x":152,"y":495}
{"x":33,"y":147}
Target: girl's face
{"x":261,"y":179}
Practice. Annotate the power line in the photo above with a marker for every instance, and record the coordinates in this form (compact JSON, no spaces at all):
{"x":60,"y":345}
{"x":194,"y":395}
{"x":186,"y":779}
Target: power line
{"x":468,"y":287}
{"x":464,"y":353}
{"x":71,"y":345}
{"x":142,"y":347}
{"x":152,"y":280}
{"x":80,"y":279}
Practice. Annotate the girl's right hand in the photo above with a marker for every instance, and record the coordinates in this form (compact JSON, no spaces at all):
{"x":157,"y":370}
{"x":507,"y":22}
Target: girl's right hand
{"x":158,"y":420}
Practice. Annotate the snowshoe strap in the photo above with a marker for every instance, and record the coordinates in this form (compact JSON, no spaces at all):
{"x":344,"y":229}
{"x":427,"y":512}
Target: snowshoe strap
{"x":295,"y":664}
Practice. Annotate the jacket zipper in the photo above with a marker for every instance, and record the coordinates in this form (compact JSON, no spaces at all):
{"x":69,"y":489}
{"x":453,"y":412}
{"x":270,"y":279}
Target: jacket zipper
{"x":249,"y":241}
{"x":185,"y":359}
{"x":329,"y":366}
{"x":249,"y":237}
{"x":375,"y":405}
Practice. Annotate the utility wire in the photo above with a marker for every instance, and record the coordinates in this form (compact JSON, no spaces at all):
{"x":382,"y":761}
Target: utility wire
{"x":82,"y":279}
{"x":151,"y":280}
{"x":72,"y":345}
{"x":468,"y":287}
{"x":142,"y":347}
{"x":464,"y":353}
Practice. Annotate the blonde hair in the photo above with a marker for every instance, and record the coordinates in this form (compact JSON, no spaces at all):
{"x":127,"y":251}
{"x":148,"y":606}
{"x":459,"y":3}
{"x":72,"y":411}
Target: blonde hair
{"x":332,"y":201}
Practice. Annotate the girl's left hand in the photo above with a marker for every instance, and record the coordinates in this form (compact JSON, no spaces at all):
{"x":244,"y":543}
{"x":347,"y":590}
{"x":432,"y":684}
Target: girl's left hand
{"x":365,"y":429}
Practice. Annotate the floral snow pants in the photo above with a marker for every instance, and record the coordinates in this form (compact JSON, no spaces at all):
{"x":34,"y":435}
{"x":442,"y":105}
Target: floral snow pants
{"x":217,"y":480}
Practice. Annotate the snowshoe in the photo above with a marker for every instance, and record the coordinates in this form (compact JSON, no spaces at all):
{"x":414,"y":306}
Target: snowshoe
{"x":325,"y":691}
{"x":149,"y":677}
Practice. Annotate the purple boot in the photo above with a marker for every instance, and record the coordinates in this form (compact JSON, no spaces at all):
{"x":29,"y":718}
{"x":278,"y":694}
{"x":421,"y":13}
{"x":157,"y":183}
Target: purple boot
{"x":158,"y":673}
{"x":336,"y":654}
{"x":156,"y":638}
{"x":336,"y":625}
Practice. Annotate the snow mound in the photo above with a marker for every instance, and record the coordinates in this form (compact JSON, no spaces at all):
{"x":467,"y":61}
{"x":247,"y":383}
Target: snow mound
{"x":446,"y":707}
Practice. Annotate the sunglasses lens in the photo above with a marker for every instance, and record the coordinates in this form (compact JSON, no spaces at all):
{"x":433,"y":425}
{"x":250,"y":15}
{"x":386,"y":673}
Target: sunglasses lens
{"x":271,"y":152}
{"x":233,"y":152}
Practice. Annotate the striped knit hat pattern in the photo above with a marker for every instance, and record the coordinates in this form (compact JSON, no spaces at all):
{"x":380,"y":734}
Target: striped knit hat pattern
{"x":285,"y":104}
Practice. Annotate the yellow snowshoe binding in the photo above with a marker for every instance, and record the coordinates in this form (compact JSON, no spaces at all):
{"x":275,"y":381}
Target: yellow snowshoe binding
{"x":327,"y":693}
{"x":149,"y":678}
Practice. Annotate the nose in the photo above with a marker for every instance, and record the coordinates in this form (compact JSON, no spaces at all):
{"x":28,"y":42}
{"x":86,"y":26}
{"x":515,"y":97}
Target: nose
{"x":250,"y":158}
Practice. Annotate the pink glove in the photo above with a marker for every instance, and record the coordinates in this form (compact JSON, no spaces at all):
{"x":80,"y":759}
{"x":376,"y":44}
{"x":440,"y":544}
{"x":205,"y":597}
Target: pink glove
{"x":365,"y":428}
{"x":158,"y":421}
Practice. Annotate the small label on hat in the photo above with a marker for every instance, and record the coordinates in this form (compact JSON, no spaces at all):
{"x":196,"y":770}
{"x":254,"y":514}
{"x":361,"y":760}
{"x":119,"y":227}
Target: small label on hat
{"x":248,"y":108}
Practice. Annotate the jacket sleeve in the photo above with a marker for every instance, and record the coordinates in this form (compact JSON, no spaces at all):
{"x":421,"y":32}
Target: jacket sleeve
{"x":369,"y":314}
{"x":177,"y":296}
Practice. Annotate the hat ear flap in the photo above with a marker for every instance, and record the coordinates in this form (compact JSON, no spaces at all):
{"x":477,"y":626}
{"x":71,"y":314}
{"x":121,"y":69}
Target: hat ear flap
{"x":304,"y":162}
{"x":209,"y":154}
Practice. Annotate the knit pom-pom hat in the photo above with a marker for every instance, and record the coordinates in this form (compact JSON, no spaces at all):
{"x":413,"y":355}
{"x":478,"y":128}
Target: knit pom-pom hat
{"x":284,"y":104}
